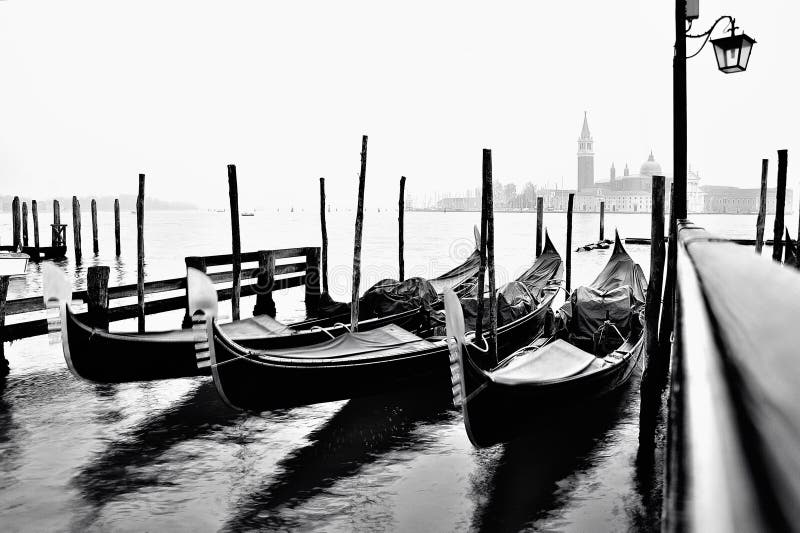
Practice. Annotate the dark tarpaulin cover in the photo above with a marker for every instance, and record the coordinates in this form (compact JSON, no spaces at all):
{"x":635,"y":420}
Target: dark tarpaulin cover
{"x":514,"y":300}
{"x":520,"y":297}
{"x":387,"y":293}
{"x":620,"y":271}
{"x":387,"y":297}
{"x":592,"y":306}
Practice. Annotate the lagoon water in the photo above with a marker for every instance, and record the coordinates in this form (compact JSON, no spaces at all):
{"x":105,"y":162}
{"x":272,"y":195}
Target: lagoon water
{"x":171,"y":456}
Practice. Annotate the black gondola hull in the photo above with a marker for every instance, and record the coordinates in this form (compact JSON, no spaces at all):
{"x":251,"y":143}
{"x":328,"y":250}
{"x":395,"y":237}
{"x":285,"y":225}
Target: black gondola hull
{"x":248,"y":382}
{"x":96,"y":355}
{"x":496,"y":412}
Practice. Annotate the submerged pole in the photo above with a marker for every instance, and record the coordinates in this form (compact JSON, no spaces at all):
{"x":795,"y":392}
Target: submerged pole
{"x":487,"y":180}
{"x":539,"y":224}
{"x":324,"y":229}
{"x":362,"y":177}
{"x":117,"y":246}
{"x":568,"y":267}
{"x":400,"y":221}
{"x":35,"y":214}
{"x":236,"y":243}
{"x":762,"y":207}
{"x":140,"y":254}
{"x":76,"y":228}
{"x":603,"y":220}
{"x":780,"y":205}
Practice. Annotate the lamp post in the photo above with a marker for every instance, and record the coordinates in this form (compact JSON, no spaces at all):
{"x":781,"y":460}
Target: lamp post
{"x":732,"y":54}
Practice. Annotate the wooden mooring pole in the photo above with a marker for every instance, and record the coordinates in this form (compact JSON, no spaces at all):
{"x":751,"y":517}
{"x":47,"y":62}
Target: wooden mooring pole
{"x":95,"y":242}
{"x":568,"y":263}
{"x":603,"y":220}
{"x":236,"y":243}
{"x":653,"y":305}
{"x":780,"y":205}
{"x":76,"y":228}
{"x":539,"y":224}
{"x":16,"y":223}
{"x":24,"y":224}
{"x":56,"y":212}
{"x":324,"y":230}
{"x":487,"y":182}
{"x":401,"y":207}
{"x":482,"y":265}
{"x":4,"y":369}
{"x":362,"y":177}
{"x":140,"y":254}
{"x":762,"y":207}
{"x":118,"y":247}
{"x":35,"y":214}
{"x":97,"y":294}
{"x":668,"y":298}
{"x":55,"y":234}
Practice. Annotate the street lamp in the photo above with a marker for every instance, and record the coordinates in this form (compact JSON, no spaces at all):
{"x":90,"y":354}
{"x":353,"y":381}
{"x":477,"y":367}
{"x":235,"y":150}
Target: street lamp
{"x":732,"y":54}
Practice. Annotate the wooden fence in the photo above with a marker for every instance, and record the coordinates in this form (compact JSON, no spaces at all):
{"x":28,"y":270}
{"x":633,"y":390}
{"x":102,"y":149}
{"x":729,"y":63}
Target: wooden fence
{"x":268,"y":276}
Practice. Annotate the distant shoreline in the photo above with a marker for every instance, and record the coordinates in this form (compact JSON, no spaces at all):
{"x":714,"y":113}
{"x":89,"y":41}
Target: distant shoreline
{"x":507,"y":210}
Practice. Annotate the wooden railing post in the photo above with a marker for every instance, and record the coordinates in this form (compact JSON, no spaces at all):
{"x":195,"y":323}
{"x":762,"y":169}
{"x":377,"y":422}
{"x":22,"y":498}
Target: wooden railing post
{"x":95,"y":242}
{"x":16,"y":223}
{"x":76,"y":228}
{"x":4,"y":368}
{"x":24,"y":223}
{"x":265,"y":304}
{"x":35,"y":213}
{"x":198,"y":263}
{"x":312,"y":280}
{"x":539,"y":224}
{"x":97,"y":293}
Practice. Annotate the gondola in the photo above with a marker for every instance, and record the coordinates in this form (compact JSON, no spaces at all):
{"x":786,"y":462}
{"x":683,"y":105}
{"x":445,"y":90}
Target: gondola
{"x":368,"y":362}
{"x":98,"y":355}
{"x":597,"y":345}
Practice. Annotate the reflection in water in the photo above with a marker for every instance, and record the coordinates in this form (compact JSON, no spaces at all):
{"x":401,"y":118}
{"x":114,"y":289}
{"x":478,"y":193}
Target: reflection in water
{"x":122,"y":467}
{"x":518,"y":481}
{"x":361,"y":432}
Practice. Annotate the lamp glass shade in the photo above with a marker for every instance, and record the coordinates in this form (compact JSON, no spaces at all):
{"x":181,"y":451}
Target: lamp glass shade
{"x":733,"y":52}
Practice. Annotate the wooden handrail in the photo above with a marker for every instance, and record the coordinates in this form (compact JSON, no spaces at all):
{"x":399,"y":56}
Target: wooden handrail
{"x":733,"y":459}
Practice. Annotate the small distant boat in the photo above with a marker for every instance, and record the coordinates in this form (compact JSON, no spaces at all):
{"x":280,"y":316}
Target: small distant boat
{"x":13,"y":263}
{"x":248,"y":214}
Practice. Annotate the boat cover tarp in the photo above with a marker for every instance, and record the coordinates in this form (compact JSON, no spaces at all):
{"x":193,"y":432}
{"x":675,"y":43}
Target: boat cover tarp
{"x":256,"y":327}
{"x":460,"y":279}
{"x":620,"y":271}
{"x":514,"y":300}
{"x":388,"y":297}
{"x":557,"y":360}
{"x":547,"y":267}
{"x":591,"y":307}
{"x":386,"y":341}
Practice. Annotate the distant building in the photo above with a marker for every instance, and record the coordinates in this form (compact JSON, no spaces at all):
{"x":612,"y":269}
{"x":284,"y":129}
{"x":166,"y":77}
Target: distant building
{"x":459,"y":203}
{"x":721,"y":199}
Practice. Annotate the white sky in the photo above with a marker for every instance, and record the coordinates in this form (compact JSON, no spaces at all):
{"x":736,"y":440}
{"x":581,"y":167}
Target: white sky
{"x":92,"y":93}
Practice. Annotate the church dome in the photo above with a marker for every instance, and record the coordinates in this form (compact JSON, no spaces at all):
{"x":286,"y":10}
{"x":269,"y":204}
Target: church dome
{"x":650,"y":167}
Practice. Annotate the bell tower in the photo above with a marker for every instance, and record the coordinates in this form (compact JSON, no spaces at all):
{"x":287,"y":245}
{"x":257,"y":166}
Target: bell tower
{"x":585,"y":157}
